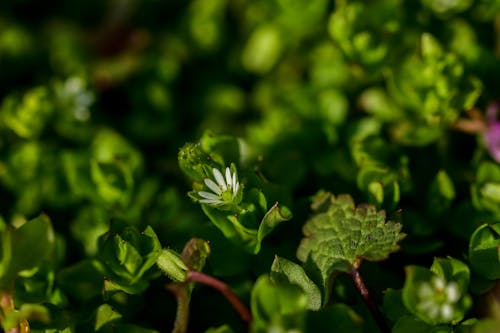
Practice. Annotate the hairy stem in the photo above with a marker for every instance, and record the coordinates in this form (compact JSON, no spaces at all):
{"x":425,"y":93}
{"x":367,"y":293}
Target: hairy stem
{"x":365,"y":294}
{"x":182,"y":315}
{"x":225,"y":290}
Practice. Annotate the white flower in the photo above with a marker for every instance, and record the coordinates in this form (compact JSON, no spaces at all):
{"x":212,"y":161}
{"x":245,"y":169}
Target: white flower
{"x":225,"y":190}
{"x":438,"y":298}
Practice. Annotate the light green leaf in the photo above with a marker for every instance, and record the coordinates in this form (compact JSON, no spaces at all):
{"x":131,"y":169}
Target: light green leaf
{"x":25,"y":247}
{"x":277,"y":306}
{"x":339,"y":235}
{"x":486,"y":189}
{"x":170,"y":262}
{"x":104,"y":315}
{"x":31,"y":312}
{"x":283,"y":270}
{"x":441,"y":193}
{"x":233,"y":228}
{"x":452,"y":269}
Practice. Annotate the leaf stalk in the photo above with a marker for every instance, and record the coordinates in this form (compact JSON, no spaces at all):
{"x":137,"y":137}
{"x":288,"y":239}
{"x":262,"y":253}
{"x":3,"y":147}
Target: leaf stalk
{"x":365,"y":294}
{"x":225,"y":290}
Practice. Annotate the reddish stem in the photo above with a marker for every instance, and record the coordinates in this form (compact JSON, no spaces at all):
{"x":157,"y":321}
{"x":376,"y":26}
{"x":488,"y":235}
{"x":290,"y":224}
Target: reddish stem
{"x":225,"y":290}
{"x":365,"y":294}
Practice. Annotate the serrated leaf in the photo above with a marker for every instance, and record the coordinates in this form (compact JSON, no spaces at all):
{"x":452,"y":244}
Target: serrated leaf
{"x":283,"y":270}
{"x":340,"y":234}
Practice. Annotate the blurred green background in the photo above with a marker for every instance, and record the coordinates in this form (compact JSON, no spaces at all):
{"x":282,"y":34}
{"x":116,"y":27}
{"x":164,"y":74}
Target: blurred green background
{"x":359,"y":97}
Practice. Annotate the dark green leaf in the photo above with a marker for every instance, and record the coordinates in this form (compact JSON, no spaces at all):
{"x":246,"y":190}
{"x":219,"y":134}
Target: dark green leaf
{"x":484,"y":251}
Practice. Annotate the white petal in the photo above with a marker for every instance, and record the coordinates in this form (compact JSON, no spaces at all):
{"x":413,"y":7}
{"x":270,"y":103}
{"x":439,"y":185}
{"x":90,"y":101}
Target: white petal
{"x":213,"y":186}
{"x":427,"y":305}
{"x":235,"y":189}
{"x":433,"y":312}
{"x":452,"y":292}
{"x":211,"y":202}
{"x":438,"y":283}
{"x":234,"y":179}
{"x":220,"y":179}
{"x":228,"y":178}
{"x":208,"y":195}
{"x":425,"y":291}
{"x":446,"y":312}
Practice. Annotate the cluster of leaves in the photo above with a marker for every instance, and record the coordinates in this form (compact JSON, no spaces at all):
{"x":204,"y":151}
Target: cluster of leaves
{"x":149,"y":148}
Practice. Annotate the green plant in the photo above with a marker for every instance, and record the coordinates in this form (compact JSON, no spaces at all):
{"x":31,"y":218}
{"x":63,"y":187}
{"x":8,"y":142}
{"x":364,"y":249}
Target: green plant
{"x":263,"y":166}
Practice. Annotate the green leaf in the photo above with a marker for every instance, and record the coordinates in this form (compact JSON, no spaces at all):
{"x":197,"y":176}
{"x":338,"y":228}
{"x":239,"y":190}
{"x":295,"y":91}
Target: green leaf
{"x":337,"y":317}
{"x":486,"y":189}
{"x":339,"y":235}
{"x":223,"y":149}
{"x":452,"y":269}
{"x":277,"y":306}
{"x":25,"y":248}
{"x":83,"y":280}
{"x":105,"y":314}
{"x":28,"y":116}
{"x":31,"y":312}
{"x":441,"y":193}
{"x":484,"y":251}
{"x":220,"y":329}
{"x":192,"y":161}
{"x":393,"y":306}
{"x":487,"y":325}
{"x":262,"y":49}
{"x":233,"y":228}
{"x":283,"y":270}
{"x":274,"y":216}
{"x":127,"y":256}
{"x":409,"y":324}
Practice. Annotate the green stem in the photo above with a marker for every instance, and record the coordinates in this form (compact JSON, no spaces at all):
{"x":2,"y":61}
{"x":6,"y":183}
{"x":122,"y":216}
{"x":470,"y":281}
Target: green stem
{"x":365,"y":294}
{"x":225,"y":290}
{"x":182,"y":315}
